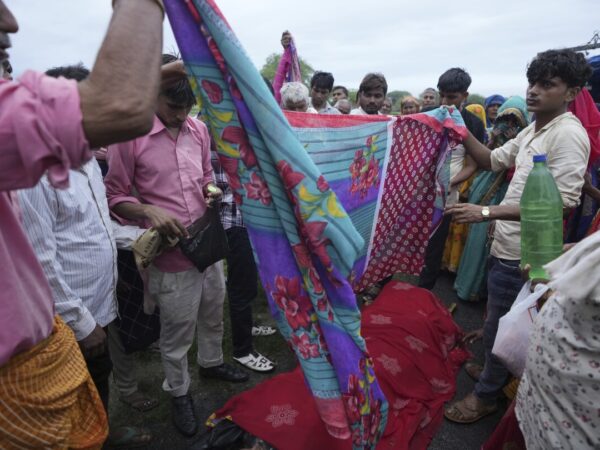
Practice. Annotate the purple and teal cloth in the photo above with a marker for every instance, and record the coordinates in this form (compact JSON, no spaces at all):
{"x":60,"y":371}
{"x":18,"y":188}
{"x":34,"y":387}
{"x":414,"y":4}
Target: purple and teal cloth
{"x":309,"y":194}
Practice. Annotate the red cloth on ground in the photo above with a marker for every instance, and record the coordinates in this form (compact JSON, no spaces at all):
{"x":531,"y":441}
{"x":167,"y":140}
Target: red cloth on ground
{"x":411,"y":337}
{"x":507,"y":434}
{"x":586,"y":111}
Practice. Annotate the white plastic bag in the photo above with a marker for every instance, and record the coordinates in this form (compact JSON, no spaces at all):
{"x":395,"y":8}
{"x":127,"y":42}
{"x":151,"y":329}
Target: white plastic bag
{"x":512,"y":339}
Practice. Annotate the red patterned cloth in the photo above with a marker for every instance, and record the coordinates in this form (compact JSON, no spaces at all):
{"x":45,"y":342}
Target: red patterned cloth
{"x":407,"y":212}
{"x":411,"y":338}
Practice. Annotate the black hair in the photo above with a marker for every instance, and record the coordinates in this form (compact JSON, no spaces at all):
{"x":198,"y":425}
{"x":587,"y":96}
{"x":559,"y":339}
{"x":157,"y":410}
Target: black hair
{"x":454,"y":80}
{"x":371,"y":82}
{"x":343,"y":88}
{"x":7,"y":67}
{"x":168,"y":58}
{"x":569,"y":66}
{"x":322,"y":80}
{"x":75,"y":72}
{"x":180,"y":92}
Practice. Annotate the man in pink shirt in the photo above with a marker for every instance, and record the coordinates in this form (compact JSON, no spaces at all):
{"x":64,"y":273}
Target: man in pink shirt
{"x":48,"y":126}
{"x":170,"y":171}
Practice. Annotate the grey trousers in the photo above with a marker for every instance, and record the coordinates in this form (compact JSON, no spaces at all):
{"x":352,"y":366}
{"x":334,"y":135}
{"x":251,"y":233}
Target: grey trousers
{"x":191,"y":303}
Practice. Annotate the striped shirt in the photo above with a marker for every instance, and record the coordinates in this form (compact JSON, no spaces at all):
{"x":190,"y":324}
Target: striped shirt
{"x":71,"y":233}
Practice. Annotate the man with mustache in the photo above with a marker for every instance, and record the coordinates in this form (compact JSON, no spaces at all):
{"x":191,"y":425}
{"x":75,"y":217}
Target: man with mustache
{"x":371,"y":94}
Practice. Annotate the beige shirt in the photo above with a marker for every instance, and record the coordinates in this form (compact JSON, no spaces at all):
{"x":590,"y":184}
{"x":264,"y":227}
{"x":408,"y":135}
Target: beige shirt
{"x":567,"y":146}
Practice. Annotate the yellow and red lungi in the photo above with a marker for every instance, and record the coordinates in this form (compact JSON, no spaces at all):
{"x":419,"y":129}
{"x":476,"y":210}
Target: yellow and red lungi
{"x":48,"y":399}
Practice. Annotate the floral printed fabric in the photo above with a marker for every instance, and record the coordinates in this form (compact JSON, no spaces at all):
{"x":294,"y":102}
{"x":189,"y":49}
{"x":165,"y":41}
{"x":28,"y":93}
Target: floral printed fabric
{"x":309,"y":227}
{"x":416,"y":384}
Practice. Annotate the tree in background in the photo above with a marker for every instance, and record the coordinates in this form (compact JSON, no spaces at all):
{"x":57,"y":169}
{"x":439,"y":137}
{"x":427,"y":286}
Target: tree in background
{"x":270,"y":67}
{"x":397,"y":97}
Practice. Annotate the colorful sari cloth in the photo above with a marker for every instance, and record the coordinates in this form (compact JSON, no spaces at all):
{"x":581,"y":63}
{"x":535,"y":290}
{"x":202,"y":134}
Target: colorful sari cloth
{"x":413,"y":342}
{"x":312,"y":223}
{"x":488,"y":188}
{"x":457,"y":234}
{"x":48,"y":398}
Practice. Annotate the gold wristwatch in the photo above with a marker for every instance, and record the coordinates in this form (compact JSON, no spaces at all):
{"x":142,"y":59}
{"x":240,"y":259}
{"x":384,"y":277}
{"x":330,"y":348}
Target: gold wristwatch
{"x":485,"y":212}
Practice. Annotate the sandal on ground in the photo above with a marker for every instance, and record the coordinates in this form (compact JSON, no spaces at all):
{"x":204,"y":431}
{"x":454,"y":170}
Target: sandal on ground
{"x":474,"y":370}
{"x":263,"y":330}
{"x":470,"y":409}
{"x":257,"y":362}
{"x":129,"y":437}
{"x":139,"y":401}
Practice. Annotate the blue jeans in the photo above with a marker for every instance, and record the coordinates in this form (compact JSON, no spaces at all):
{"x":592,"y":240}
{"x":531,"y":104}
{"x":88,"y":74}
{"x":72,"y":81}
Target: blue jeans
{"x":504,"y":284}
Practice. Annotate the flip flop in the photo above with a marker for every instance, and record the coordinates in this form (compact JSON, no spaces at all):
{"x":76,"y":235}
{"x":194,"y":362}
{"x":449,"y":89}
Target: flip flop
{"x":468,"y":410}
{"x":263,"y":330}
{"x":256,"y":362}
{"x":129,"y":437}
{"x":139,"y":401}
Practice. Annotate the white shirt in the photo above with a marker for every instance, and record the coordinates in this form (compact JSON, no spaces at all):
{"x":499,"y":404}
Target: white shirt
{"x":71,"y":233}
{"x":361,"y":112}
{"x":567,"y":146}
{"x":326,"y":109}
{"x":457,"y":162}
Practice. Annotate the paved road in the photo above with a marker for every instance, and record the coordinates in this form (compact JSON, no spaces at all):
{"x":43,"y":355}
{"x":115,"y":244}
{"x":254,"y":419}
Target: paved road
{"x":455,"y":436}
{"x":209,"y":395}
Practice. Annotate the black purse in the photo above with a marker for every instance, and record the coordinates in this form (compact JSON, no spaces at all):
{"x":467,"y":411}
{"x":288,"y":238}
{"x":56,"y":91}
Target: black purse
{"x":207,"y":243}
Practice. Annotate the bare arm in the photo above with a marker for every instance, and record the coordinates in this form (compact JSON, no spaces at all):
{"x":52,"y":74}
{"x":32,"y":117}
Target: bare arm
{"x":118,"y":98}
{"x":479,"y":152}
{"x":468,"y":169}
{"x":469,"y":213}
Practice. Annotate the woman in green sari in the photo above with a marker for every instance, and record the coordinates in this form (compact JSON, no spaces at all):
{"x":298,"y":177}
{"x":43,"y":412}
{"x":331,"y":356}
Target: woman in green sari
{"x":488,"y":188}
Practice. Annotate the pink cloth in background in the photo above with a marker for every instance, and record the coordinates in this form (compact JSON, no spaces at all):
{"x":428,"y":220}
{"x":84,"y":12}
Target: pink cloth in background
{"x":584,"y":108}
{"x":40,"y":129}
{"x":164,"y":172}
{"x":287,"y":70}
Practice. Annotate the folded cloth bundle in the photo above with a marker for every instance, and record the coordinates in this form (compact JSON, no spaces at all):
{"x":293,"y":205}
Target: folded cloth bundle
{"x":149,"y":245}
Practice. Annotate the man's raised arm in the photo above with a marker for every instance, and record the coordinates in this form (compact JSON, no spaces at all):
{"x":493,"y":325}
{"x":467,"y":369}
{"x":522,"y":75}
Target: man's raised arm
{"x":118,"y":98}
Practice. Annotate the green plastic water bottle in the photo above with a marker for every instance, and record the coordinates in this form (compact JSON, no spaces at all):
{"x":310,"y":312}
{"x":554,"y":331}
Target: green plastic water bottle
{"x":541,"y":220}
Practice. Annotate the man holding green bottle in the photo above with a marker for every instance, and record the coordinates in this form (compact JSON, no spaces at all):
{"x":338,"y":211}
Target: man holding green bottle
{"x":555,"y":78}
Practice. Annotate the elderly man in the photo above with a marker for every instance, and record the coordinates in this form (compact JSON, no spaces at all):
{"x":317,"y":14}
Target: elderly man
{"x":48,"y":398}
{"x":6,"y":70}
{"x":344,"y":106}
{"x":371,"y":94}
{"x":429,"y":99}
{"x":294,"y":97}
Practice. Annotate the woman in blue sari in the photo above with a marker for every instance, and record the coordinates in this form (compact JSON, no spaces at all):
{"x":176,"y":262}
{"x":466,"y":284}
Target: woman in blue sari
{"x":488,"y":188}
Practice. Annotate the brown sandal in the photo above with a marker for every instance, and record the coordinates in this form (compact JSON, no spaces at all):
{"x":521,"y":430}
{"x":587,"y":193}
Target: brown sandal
{"x":468,"y":410}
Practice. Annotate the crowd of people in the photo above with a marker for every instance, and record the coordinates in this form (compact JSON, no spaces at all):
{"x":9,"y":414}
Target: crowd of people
{"x":102,"y":164}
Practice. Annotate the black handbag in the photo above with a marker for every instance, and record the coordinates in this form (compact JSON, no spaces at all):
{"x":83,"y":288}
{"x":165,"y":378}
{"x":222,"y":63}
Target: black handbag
{"x":207,"y":243}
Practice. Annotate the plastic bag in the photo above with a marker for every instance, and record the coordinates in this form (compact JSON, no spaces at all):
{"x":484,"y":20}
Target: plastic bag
{"x":512,"y":339}
{"x":207,"y":243}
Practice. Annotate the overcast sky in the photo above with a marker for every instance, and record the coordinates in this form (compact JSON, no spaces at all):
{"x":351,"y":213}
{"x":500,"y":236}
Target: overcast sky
{"x":411,"y":42}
